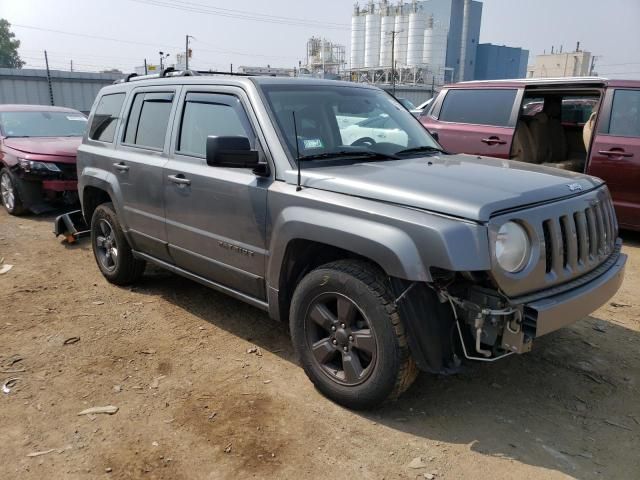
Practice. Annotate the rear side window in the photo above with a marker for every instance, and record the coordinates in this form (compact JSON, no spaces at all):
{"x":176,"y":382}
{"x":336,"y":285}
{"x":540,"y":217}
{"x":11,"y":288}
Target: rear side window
{"x":148,"y":119}
{"x":625,"y":113}
{"x":105,"y":117}
{"x":480,"y":107}
{"x":212,"y":114}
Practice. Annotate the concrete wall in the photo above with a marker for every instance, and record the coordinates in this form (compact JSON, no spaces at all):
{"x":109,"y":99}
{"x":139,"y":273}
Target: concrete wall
{"x":415,"y":95}
{"x":568,"y":64}
{"x":494,"y":62}
{"x":70,"y":89}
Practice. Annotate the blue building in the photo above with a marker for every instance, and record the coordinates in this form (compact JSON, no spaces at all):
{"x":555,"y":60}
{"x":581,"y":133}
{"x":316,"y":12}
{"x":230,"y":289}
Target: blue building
{"x":494,"y":62}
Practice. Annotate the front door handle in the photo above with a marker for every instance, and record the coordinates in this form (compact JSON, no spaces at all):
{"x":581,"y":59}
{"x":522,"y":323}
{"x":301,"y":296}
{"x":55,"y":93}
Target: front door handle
{"x":179,"y":179}
{"x":121,"y":167}
{"x":493,"y":141}
{"x":615,"y":153}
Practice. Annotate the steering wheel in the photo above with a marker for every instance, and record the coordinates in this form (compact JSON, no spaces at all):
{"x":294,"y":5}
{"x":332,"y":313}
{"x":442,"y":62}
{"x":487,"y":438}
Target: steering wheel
{"x":364,"y":142}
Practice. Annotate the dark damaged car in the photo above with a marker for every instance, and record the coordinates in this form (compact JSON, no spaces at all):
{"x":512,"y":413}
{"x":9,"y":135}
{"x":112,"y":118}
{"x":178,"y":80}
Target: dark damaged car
{"x":38,"y":146}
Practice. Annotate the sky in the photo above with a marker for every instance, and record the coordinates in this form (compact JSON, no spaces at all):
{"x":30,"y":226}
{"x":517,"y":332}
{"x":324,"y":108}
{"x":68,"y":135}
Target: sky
{"x":274,"y":32}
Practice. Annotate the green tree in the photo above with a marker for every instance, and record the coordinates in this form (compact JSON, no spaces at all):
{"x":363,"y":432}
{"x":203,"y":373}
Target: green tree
{"x":9,"y":57}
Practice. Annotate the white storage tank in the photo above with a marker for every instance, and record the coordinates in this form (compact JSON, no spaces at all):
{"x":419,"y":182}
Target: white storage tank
{"x":415,"y":42}
{"x":435,"y":50}
{"x":400,"y":47}
{"x":357,"y":40}
{"x":386,"y":34}
{"x":372,"y":40}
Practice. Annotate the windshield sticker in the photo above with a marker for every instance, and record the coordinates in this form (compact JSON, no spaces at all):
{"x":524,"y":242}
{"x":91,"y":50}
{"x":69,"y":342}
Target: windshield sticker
{"x":313,"y":143}
{"x":76,"y":118}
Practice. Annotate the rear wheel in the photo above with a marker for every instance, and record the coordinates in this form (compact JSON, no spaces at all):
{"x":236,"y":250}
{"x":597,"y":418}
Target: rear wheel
{"x":348,"y":335}
{"x":110,"y":247}
{"x":9,"y":193}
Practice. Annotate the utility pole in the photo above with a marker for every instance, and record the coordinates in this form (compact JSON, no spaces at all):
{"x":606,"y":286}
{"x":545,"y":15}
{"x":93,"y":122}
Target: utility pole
{"x":145,"y":67}
{"x":46,"y":61}
{"x":323,"y":67}
{"x":72,"y":65}
{"x":393,"y":34}
{"x":593,"y":66}
{"x":186,"y":52}
{"x":231,"y":68}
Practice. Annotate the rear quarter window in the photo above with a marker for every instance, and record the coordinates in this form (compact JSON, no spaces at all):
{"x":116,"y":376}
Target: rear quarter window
{"x":478,"y":106}
{"x":105,"y":117}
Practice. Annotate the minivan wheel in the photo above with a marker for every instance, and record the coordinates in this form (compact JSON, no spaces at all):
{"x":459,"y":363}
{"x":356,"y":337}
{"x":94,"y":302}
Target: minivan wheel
{"x":110,"y":247}
{"x":348,"y":335}
{"x":10,"y":194}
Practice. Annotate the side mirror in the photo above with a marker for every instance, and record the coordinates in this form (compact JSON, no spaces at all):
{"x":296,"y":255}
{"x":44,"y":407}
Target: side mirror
{"x":435,"y":136}
{"x":233,"y":152}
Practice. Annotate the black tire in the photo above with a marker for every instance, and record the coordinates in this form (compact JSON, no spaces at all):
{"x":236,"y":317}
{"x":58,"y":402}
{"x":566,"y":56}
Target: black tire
{"x":10,"y":193}
{"x":111,"y":250}
{"x":391,"y":369}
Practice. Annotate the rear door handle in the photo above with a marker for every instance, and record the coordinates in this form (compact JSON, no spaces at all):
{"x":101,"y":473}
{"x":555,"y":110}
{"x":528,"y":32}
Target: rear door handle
{"x":493,"y":141}
{"x":121,"y":167}
{"x":179,"y":179}
{"x":615,"y":153}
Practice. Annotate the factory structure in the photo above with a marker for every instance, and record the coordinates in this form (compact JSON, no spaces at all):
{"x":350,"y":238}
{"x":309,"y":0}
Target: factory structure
{"x":420,"y":42}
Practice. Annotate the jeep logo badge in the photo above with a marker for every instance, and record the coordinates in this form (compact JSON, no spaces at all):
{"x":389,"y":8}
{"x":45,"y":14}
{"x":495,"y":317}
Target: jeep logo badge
{"x":574,"y":187}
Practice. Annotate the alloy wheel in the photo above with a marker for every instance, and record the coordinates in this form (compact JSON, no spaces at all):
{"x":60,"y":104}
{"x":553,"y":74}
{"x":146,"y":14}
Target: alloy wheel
{"x":106,"y":245}
{"x":340,"y":338}
{"x":7,"y":192}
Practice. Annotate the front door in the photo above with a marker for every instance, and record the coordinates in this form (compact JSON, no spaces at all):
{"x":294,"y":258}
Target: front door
{"x":615,"y":153}
{"x":216,"y":216}
{"x":476,"y":121}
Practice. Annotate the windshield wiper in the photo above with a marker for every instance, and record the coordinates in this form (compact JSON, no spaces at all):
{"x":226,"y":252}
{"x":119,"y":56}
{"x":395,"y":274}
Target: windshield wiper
{"x":349,"y":154}
{"x":422,"y":148}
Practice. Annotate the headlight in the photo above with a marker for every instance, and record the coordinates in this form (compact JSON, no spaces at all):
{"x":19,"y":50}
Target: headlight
{"x":513,"y":247}
{"x":33,"y":166}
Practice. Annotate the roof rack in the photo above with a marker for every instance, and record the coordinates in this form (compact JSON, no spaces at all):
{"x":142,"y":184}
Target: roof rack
{"x":172,"y":72}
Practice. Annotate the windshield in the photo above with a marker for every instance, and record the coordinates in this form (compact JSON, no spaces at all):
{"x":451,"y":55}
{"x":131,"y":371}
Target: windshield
{"x":336,"y":120}
{"x":407,"y":103}
{"x":43,"y":124}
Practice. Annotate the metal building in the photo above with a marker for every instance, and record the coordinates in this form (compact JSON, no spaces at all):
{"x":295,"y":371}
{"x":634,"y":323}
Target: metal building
{"x":68,"y":89}
{"x":494,"y":62}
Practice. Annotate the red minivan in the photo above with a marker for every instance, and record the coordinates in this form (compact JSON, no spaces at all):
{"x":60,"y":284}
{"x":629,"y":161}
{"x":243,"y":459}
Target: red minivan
{"x":584,"y":124}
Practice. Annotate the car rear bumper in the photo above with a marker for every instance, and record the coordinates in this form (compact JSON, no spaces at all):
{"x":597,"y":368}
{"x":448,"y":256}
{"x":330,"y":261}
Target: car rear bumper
{"x":60,"y":185}
{"x":554,"y":312}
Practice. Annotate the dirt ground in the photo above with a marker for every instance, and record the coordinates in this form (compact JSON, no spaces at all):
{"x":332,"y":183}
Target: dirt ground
{"x":194,"y":404}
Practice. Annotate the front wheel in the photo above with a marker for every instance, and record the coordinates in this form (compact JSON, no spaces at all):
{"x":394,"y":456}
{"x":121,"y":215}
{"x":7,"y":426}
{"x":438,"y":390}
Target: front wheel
{"x":349,"y":336}
{"x":9,"y":193}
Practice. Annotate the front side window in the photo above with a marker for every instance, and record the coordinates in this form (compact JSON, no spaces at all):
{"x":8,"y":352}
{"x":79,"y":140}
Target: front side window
{"x":207,"y":114}
{"x":43,"y":124}
{"x":625,"y":113}
{"x":105,"y":117}
{"x":478,"y":106}
{"x":344,"y":122}
{"x":148,"y":119}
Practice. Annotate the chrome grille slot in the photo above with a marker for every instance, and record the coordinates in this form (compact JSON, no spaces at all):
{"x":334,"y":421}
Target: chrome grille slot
{"x":548,"y":249}
{"x":592,"y":236}
{"x":600,"y":228}
{"x":570,"y":241}
{"x":583,"y":240}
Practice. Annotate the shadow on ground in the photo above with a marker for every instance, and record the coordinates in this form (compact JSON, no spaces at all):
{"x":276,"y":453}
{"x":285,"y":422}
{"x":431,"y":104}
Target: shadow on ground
{"x":571,"y":405}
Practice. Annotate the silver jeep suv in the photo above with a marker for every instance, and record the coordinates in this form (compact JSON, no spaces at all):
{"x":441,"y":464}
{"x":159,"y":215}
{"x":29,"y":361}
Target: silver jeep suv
{"x":329,"y":206}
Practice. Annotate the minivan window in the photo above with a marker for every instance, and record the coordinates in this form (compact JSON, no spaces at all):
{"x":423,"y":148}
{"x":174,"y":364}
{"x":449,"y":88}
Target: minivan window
{"x":105,"y":117}
{"x":625,"y":113}
{"x":148,"y":119}
{"x":204,"y":115}
{"x":478,"y":106}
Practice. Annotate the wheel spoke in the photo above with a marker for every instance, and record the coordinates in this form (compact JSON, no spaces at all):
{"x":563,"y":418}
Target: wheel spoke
{"x":323,"y":316}
{"x":100,"y":241}
{"x":346,"y":311}
{"x":323,"y":350}
{"x":364,"y":340}
{"x":351,"y":366}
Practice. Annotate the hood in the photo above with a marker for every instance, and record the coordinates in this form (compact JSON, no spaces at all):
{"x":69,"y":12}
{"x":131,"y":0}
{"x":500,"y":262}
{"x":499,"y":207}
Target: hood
{"x":58,"y":146}
{"x":464,"y":186}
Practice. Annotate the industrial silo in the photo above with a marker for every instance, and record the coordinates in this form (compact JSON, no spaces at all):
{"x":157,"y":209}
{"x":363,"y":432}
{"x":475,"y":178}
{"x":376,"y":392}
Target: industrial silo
{"x":357,"y":39}
{"x":386,"y":38}
{"x":415,"y":41}
{"x":372,"y":39}
{"x":402,"y":34}
{"x":435,"y":50}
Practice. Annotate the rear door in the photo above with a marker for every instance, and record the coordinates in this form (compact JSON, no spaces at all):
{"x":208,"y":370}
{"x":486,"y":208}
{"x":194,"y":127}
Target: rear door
{"x":216,"y":216}
{"x":137,"y":163}
{"x":478,"y":121}
{"x":615,"y":153}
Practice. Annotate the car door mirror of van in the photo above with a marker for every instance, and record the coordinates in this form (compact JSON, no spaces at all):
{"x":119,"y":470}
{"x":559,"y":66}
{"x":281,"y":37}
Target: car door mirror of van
{"x":435,"y":136}
{"x":233,"y":152}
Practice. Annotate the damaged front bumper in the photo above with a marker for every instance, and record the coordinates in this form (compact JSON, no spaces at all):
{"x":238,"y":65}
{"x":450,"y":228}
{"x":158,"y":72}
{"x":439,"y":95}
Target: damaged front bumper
{"x":497,"y":326}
